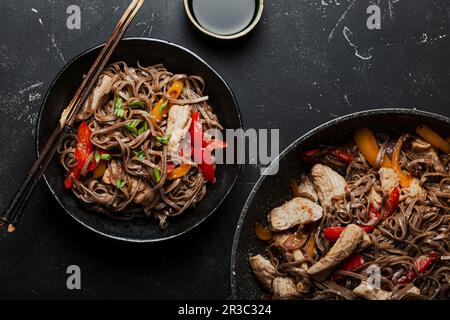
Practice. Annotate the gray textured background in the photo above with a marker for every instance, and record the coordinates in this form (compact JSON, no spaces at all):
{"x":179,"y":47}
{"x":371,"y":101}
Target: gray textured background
{"x":295,"y":71}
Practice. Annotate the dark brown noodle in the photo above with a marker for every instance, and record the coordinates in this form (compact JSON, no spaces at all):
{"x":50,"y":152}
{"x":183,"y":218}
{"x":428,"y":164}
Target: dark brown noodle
{"x":417,"y":228}
{"x":164,"y":199}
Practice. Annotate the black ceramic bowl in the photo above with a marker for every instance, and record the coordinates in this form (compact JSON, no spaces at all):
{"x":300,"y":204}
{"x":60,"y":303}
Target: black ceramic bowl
{"x":148,"y":52}
{"x":271,"y":191}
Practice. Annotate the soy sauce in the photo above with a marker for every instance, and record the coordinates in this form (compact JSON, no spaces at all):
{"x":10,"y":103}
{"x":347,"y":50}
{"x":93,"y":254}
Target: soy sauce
{"x":224,"y":17}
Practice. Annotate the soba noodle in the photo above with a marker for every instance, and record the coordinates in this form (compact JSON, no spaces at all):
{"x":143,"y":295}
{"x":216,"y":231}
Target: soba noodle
{"x":420,"y":225}
{"x":136,"y":156}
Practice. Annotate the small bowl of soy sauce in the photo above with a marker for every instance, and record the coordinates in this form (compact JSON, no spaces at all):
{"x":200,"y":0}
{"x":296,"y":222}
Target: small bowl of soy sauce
{"x":224,"y":19}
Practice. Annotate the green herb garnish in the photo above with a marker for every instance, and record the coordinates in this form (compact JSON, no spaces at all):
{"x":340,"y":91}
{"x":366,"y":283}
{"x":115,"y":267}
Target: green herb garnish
{"x":118,"y":111}
{"x":97,"y":156}
{"x":141,"y":155}
{"x":106,"y":156}
{"x":120,"y":183}
{"x":164,"y":139}
{"x":143,"y":128}
{"x":137,"y":104}
{"x":157,"y":174}
{"x":132,"y":127}
{"x":164,"y":106}
{"x":102,"y":156}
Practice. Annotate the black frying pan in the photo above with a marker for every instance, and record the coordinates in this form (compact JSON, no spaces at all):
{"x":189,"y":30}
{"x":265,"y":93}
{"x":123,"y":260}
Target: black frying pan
{"x":272,"y":191}
{"x":148,"y":52}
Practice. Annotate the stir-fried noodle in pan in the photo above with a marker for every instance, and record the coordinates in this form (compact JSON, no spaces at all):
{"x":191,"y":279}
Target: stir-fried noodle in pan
{"x":369,"y":220}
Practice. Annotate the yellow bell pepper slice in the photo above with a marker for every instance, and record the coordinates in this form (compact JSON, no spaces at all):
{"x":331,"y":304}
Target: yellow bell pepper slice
{"x":161,"y":108}
{"x":432,"y":137}
{"x":179,"y":172}
{"x":367,"y":143}
{"x":405,"y":179}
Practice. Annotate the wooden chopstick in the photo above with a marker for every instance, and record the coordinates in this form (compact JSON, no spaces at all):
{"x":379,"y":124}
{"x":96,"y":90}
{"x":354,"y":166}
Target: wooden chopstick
{"x":14,"y":212}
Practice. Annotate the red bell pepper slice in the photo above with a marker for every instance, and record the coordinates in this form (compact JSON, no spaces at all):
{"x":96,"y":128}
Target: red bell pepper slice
{"x":315,"y":156}
{"x":350,"y":264}
{"x":312,"y":157}
{"x":392,"y":203}
{"x":333,"y":233}
{"x":202,"y":148}
{"x":197,"y":140}
{"x":421,"y":264}
{"x":342,"y":155}
{"x":214,"y":144}
{"x":207,"y":166}
{"x":82,"y":152}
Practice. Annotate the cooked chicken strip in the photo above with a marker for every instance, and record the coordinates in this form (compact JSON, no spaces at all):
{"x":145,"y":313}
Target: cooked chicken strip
{"x":375,"y":198}
{"x":284,"y":287}
{"x":366,"y":241}
{"x":414,"y":191}
{"x":280,"y":238}
{"x":389,"y":179}
{"x":414,"y":290}
{"x":306,"y":188}
{"x":294,"y":212}
{"x":328,"y":183}
{"x":302,"y":286}
{"x":298,"y":255}
{"x":347,"y":243}
{"x":425,"y":150}
{"x":98,"y":97}
{"x":178,"y":123}
{"x":263,"y":269}
{"x":367,"y":291}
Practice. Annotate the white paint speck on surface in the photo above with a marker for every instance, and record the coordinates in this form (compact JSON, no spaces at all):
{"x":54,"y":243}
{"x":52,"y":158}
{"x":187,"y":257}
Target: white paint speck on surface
{"x":346,"y":100}
{"x":424,"y":38}
{"x":34,"y":96}
{"x":340,"y":20}
{"x":348,"y":34}
{"x":31,"y":87}
{"x":52,"y":39}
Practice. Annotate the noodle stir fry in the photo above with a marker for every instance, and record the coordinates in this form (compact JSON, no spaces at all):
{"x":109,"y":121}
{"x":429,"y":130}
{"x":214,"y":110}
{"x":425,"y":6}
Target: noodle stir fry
{"x":130,"y":156}
{"x":370,"y":220}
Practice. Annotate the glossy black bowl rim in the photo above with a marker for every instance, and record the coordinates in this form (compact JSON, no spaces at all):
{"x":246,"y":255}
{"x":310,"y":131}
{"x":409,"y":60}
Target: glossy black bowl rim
{"x":285,"y":152}
{"x":43,"y":106}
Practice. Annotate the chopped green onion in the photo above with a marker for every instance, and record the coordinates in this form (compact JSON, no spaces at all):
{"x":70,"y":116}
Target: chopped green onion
{"x":157,"y":174}
{"x":132,"y":127}
{"x":97,"y":157}
{"x":141,"y":155}
{"x":143,"y":128}
{"x":137,"y":104}
{"x":164,"y":106}
{"x":102,"y":156}
{"x":118,"y":111}
{"x":164,"y":139}
{"x":120,"y":183}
